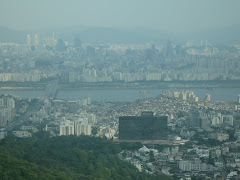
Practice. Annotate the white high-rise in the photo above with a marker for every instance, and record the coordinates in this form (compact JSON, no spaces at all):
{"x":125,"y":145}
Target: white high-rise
{"x":10,"y":103}
{"x":82,"y":127}
{"x":29,"y":40}
{"x":66,"y":128}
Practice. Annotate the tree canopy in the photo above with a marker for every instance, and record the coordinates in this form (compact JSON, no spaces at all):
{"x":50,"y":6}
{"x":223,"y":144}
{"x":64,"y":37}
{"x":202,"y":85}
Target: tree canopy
{"x":65,"y":157}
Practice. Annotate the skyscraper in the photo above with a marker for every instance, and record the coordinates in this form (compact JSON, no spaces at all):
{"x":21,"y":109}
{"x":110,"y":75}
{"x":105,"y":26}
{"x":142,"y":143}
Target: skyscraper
{"x":197,"y":119}
{"x":145,"y":127}
{"x":29,"y":40}
{"x":36,"y":40}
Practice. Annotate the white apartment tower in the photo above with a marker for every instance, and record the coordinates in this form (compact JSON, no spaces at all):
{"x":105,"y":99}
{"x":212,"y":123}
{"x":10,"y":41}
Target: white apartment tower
{"x":82,"y":127}
{"x":66,"y":128}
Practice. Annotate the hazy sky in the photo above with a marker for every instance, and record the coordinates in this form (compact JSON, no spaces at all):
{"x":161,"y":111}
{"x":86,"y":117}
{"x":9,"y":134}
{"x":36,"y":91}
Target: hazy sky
{"x":171,"y":15}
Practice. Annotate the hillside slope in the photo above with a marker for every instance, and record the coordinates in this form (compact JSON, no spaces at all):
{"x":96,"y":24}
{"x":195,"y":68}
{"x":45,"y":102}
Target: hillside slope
{"x":65,"y":157}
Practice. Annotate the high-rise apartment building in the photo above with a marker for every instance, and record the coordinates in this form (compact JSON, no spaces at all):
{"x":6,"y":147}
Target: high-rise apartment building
{"x":7,"y":110}
{"x":82,"y":128}
{"x":66,"y":128}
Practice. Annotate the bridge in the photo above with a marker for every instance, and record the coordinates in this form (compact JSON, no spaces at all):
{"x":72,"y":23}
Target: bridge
{"x":50,"y":92}
{"x":51,"y":89}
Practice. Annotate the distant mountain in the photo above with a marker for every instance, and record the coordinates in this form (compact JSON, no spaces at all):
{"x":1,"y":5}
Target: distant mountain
{"x":127,"y":35}
{"x":10,"y":35}
{"x":90,"y":34}
{"x":141,"y":35}
{"x":118,"y":35}
{"x":229,"y":35}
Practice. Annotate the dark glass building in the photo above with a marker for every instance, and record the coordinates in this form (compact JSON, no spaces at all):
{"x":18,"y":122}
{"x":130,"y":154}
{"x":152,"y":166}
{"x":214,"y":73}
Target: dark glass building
{"x":144,"y":127}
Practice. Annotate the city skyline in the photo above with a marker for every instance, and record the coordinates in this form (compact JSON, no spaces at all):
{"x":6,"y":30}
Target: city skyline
{"x":104,"y":89}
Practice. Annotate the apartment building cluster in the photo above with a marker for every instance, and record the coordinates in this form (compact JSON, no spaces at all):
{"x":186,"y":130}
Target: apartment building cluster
{"x":20,"y":77}
{"x":183,"y":95}
{"x":114,"y":62}
{"x":74,"y":128}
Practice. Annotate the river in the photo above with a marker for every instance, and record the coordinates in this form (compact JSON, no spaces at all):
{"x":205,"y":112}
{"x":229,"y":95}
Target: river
{"x":114,"y":95}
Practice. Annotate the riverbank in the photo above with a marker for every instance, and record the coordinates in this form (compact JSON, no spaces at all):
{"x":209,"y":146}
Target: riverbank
{"x":21,"y":88}
{"x":152,"y":85}
{"x":129,"y":85}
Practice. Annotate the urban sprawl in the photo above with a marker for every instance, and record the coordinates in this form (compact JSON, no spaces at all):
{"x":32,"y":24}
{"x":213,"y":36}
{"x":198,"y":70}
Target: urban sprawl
{"x":198,"y":138}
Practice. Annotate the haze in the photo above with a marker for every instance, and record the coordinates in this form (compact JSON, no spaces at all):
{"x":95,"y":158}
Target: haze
{"x":173,"y":15}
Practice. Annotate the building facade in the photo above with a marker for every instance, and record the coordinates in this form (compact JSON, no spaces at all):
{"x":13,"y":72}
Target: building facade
{"x":145,"y":127}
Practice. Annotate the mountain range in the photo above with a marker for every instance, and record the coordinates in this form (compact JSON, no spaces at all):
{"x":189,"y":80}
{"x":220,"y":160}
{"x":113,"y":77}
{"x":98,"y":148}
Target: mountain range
{"x":229,"y":35}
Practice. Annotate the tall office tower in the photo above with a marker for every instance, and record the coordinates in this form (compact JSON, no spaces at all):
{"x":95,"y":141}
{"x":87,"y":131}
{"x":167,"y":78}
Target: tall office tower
{"x":239,"y":99}
{"x":207,"y":98}
{"x":29,"y":40}
{"x":66,"y":128}
{"x":36,"y":40}
{"x":145,"y":127}
{"x":197,"y":119}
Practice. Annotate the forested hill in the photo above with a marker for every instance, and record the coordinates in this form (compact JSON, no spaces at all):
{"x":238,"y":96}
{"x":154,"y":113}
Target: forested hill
{"x":65,"y":157}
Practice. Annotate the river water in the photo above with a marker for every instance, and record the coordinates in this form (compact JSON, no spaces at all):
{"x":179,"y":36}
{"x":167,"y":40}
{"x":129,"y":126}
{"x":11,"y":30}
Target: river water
{"x":114,"y":95}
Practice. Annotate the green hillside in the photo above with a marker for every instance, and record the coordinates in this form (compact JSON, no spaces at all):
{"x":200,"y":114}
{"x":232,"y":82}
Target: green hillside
{"x":65,"y":157}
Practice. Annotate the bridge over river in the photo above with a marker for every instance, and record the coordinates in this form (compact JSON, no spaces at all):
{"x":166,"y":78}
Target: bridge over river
{"x":50,"y":92}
